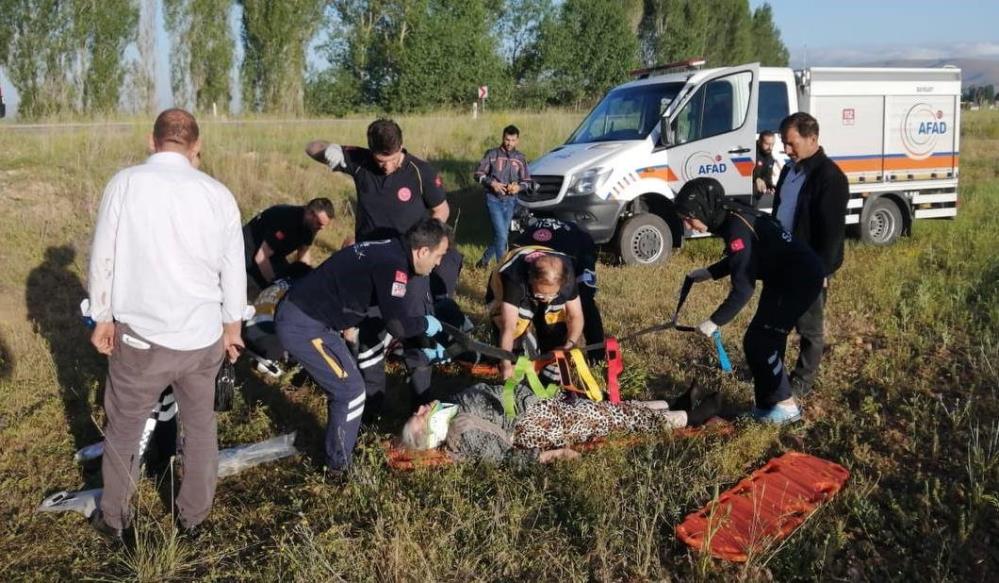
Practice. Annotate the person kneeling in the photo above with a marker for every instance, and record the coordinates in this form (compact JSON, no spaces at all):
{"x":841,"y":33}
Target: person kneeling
{"x":476,"y":426}
{"x":535,"y":288}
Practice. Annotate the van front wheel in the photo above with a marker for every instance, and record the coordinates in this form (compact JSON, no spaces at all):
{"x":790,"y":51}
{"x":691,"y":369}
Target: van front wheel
{"x":644,"y":239}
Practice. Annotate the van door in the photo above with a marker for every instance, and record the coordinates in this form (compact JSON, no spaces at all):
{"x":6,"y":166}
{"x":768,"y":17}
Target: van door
{"x":712,"y":132}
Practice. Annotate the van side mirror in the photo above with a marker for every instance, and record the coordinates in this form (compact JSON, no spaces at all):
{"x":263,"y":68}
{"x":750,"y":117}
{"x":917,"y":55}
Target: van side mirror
{"x":666,"y":137}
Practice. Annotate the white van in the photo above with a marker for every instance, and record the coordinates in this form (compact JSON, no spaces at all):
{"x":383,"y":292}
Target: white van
{"x":894,"y":132}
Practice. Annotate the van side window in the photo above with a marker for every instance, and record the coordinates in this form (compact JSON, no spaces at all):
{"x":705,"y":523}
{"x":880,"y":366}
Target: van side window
{"x":773,"y":105}
{"x":719,"y":106}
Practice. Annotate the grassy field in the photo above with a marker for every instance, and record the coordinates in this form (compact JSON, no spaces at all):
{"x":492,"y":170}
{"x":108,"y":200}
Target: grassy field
{"x":908,"y":400}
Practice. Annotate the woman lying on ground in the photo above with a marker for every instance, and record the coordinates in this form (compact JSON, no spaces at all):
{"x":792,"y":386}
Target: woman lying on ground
{"x":474,"y":425}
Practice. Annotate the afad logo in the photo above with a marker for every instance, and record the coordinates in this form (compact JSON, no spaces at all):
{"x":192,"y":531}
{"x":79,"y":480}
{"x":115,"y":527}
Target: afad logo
{"x":921,"y":129}
{"x":703,"y":164}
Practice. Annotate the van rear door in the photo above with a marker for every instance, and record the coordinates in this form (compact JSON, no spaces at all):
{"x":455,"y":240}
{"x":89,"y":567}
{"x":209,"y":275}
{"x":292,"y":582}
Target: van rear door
{"x":712,"y":131}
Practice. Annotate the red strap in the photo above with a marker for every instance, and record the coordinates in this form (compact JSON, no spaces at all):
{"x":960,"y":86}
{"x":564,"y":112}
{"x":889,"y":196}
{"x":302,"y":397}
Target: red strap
{"x":615,"y":366}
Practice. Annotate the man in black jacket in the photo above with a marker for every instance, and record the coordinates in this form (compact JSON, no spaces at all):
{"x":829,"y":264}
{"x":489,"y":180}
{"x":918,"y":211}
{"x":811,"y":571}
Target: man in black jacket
{"x":812,"y":193}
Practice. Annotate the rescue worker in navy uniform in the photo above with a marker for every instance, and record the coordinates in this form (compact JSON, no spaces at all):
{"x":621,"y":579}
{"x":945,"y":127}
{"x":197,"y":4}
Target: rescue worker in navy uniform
{"x":325,"y":306}
{"x":756,"y":248}
{"x":395,"y":190}
{"x":278,"y":231}
{"x":535,"y":286}
{"x":566,"y":237}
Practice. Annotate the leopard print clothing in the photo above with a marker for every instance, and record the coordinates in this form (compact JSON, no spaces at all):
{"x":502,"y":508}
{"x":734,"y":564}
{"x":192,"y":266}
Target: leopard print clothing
{"x":565,"y":420}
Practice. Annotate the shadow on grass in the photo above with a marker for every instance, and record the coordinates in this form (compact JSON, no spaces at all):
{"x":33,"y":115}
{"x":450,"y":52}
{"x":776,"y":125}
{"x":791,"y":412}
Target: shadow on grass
{"x":6,"y":361}
{"x":53,"y":294}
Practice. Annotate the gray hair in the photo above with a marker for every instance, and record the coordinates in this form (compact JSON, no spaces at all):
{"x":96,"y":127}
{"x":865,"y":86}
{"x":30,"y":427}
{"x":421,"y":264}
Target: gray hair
{"x":411,"y":436}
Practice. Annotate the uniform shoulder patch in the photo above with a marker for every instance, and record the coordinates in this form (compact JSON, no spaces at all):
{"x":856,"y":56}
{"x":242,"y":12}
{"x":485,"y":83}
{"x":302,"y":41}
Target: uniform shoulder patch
{"x":439,"y":182}
{"x":398,"y":289}
{"x":401,"y":277}
{"x":736,"y":245}
{"x":279,"y":235}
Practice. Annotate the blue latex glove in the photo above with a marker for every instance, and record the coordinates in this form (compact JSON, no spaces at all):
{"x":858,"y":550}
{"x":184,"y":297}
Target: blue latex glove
{"x":435,"y":354}
{"x":433,"y":326}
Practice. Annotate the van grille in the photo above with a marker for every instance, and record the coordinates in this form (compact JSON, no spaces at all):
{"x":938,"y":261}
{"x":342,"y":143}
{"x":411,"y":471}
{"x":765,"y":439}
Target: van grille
{"x":548,"y":189}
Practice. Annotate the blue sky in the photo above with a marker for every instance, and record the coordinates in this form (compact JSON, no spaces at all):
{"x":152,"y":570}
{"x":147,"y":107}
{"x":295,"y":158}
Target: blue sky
{"x":837,"y":32}
{"x":852,"y":31}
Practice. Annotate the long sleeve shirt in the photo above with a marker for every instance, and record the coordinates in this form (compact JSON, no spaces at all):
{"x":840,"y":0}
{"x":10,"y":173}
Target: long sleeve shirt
{"x":167,"y":254}
{"x":504,"y":167}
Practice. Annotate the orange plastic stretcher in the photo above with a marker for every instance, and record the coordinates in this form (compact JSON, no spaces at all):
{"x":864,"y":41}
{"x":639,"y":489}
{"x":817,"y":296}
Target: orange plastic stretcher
{"x":763,"y":508}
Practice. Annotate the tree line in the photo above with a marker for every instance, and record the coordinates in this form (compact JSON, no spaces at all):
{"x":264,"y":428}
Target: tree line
{"x":979,"y":94}
{"x":95,"y":56}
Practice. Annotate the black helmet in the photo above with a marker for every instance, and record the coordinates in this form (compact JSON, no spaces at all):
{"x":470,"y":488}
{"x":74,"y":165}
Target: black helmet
{"x":702,"y":199}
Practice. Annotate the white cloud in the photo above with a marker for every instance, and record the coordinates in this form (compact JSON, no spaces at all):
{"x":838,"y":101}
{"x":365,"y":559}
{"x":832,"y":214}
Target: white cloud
{"x":865,"y":53}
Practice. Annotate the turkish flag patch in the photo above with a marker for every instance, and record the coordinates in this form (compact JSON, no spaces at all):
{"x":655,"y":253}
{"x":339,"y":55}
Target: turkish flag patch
{"x":279,"y":235}
{"x":736,"y":245}
{"x":401,"y":277}
{"x":438,"y":182}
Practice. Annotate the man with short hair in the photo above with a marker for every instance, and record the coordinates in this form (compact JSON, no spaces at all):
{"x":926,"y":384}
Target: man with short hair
{"x":395,"y":191}
{"x":763,"y":172}
{"x":503,"y":172}
{"x":168,"y":291}
{"x":277,"y":232}
{"x":535,"y":287}
{"x":325,"y":307}
{"x":810,"y":203}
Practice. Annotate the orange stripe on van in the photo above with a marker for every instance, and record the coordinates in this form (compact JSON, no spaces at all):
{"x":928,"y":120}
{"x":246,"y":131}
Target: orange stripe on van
{"x":661,"y":172}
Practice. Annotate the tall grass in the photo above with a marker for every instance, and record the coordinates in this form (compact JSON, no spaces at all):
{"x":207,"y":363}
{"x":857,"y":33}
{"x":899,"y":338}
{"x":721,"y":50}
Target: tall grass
{"x":907,"y":399}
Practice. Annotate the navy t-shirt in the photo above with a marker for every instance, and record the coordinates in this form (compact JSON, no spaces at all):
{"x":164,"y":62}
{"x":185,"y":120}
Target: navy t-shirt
{"x":282,"y":227}
{"x":389,"y":204}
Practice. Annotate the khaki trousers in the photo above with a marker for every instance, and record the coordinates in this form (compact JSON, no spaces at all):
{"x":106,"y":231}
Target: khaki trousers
{"x":138,"y":372}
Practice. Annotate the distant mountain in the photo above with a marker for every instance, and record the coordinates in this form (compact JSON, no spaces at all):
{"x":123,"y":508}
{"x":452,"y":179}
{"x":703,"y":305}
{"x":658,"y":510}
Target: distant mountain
{"x":973,"y":71}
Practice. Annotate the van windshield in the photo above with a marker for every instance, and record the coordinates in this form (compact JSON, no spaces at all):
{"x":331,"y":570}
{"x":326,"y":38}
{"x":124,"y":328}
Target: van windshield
{"x":626,"y":114}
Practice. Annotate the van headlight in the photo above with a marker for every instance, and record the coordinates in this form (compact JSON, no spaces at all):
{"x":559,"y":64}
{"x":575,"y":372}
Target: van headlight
{"x":588,"y":182}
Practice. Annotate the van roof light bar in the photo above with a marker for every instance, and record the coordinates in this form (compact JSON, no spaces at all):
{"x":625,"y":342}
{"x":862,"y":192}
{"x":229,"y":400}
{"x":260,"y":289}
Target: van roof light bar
{"x":691,"y":64}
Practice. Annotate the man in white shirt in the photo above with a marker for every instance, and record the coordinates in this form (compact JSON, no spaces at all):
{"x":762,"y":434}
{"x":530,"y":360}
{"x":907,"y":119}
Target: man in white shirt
{"x":167,"y":290}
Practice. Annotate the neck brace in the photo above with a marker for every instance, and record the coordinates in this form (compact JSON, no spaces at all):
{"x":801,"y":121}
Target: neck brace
{"x":438,"y":421}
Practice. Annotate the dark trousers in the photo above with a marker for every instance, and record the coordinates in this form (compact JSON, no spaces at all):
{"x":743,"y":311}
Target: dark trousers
{"x":136,"y":379}
{"x":781,"y":304}
{"x":325,"y":356}
{"x":501,"y":211}
{"x":593,"y":324}
{"x":811,"y":328}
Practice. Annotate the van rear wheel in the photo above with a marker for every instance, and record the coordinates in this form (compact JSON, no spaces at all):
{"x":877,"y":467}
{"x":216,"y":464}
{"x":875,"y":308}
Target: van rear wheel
{"x":881,"y":223}
{"x":644,"y":239}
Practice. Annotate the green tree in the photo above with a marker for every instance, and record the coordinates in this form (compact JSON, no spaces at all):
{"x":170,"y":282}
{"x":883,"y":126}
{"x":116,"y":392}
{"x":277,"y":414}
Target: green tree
{"x":102,"y":31}
{"x":517,"y":30}
{"x":447,"y":53}
{"x":202,"y":57}
{"x":768,"y":48}
{"x":275,"y":36}
{"x":587,"y":48}
{"x":721,"y":31}
{"x":38,"y":55}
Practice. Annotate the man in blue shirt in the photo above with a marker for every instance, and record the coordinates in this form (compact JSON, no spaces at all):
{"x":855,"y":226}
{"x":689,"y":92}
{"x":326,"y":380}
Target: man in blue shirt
{"x":810,"y":203}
